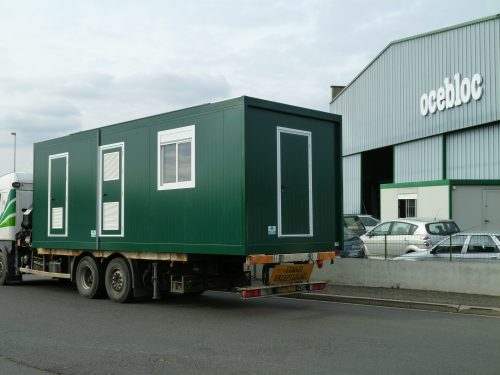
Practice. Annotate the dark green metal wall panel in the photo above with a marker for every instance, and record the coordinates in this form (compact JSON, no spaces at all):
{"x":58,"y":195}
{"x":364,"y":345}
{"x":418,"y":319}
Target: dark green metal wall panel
{"x":262,"y":121}
{"x":208,"y":214}
{"x":82,"y":163}
{"x":204,"y":219}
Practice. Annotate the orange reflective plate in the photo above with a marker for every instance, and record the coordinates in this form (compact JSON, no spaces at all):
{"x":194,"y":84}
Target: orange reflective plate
{"x":291,"y":273}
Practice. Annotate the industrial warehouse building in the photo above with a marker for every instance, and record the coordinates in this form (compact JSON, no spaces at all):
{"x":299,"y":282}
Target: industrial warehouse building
{"x":421,"y":128}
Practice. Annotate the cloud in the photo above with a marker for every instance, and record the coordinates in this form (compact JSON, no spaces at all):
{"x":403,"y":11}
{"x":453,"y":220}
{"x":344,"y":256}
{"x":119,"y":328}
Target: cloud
{"x":105,"y":99}
{"x":38,"y":117}
{"x":69,"y":66}
{"x":85,"y":86}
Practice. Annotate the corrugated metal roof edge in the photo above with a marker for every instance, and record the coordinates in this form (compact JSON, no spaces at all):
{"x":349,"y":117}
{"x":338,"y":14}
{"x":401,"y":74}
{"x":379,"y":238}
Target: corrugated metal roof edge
{"x":463,"y":24}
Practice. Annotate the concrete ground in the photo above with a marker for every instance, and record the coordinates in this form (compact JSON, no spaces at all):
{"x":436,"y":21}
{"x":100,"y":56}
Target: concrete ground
{"x":47,"y":328}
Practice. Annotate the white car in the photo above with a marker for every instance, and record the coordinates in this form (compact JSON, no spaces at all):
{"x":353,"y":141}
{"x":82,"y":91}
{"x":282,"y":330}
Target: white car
{"x":461,"y":246}
{"x":396,"y":237}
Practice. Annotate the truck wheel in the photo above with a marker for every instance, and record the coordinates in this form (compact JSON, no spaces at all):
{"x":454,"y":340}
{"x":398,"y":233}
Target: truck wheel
{"x":118,"y":280}
{"x":89,"y":278}
{"x":3,"y":268}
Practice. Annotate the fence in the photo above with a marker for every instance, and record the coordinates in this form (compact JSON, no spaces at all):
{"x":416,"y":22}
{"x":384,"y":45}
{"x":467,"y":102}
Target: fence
{"x":458,"y":247}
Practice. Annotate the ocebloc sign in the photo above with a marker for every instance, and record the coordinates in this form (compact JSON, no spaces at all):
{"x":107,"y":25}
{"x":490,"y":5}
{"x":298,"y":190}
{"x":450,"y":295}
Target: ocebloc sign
{"x":454,"y":93}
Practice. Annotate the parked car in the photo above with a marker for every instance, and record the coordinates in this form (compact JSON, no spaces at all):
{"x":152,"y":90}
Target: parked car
{"x":354,"y":247}
{"x":369,"y":221}
{"x":354,"y":224}
{"x":397,"y":237}
{"x":463,"y":246}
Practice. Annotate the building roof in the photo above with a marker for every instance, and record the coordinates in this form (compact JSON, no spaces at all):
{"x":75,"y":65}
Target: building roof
{"x":412,"y":38}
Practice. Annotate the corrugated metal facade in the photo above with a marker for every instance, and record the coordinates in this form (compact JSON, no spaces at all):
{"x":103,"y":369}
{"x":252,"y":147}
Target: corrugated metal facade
{"x":352,"y":183}
{"x":420,"y":160}
{"x":474,"y":154}
{"x":381,"y":106}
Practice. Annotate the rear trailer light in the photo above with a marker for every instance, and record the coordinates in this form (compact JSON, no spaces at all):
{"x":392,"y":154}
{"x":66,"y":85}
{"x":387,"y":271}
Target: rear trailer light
{"x":251,"y":293}
{"x":317,"y":287}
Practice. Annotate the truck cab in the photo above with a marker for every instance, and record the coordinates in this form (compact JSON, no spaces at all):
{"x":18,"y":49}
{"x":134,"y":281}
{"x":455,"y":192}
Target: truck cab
{"x":16,"y":197}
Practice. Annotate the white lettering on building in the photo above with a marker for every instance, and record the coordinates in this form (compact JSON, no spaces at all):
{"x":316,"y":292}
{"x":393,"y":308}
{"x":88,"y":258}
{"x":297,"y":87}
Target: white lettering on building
{"x":454,"y":93}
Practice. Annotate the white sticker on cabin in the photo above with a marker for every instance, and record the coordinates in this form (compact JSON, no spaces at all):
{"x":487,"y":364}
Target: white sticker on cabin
{"x":111,"y":166}
{"x":111,"y":216}
{"x":57,"y":217}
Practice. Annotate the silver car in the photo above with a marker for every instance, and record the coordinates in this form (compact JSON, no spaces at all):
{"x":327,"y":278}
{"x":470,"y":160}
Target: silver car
{"x":462,"y":246}
{"x":396,"y":237}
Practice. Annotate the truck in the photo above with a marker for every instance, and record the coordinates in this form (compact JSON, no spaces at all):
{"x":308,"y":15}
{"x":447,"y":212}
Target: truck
{"x":182,"y":202}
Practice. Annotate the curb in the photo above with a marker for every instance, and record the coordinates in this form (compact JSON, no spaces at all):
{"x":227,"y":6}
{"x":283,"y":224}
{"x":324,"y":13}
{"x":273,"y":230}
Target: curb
{"x":414,"y":305}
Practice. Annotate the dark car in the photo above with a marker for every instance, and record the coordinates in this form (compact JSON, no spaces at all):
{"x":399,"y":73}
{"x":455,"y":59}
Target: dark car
{"x":354,"y":247}
{"x":354,"y":224}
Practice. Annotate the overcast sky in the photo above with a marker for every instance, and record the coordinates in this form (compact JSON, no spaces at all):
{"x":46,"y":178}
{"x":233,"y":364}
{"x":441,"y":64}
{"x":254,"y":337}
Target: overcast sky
{"x":67,"y":66}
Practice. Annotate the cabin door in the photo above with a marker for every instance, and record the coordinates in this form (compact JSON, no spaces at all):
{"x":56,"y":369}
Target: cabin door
{"x":491,"y":209}
{"x":111,"y":183}
{"x":294,"y":150}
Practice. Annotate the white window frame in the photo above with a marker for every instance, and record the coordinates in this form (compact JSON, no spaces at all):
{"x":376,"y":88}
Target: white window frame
{"x":307,"y":134}
{"x":176,"y":136}
{"x":408,"y":197}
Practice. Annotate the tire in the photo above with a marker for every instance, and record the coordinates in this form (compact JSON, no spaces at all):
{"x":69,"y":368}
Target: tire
{"x":3,"y":268}
{"x":118,"y":280}
{"x":89,"y":280}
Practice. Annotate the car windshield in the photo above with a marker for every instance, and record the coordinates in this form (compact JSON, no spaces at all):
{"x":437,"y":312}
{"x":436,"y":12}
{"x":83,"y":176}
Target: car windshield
{"x":353,"y":223}
{"x":349,"y":235}
{"x":369,"y":221}
{"x":442,"y":228}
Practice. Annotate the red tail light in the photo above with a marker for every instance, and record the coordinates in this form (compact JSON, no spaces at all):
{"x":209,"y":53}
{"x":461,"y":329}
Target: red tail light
{"x":317,"y":287}
{"x":251,"y":293}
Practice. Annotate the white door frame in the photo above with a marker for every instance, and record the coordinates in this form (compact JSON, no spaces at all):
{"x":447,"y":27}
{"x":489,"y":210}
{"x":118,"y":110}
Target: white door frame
{"x":63,"y":155}
{"x":307,"y":134}
{"x":120,"y":145}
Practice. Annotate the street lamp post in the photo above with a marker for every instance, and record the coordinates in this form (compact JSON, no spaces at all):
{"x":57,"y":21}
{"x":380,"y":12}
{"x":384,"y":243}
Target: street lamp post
{"x":15,"y":137}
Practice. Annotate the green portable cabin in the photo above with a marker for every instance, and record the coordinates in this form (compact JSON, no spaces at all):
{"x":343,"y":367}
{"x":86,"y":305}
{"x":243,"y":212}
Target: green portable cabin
{"x":239,"y":177}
